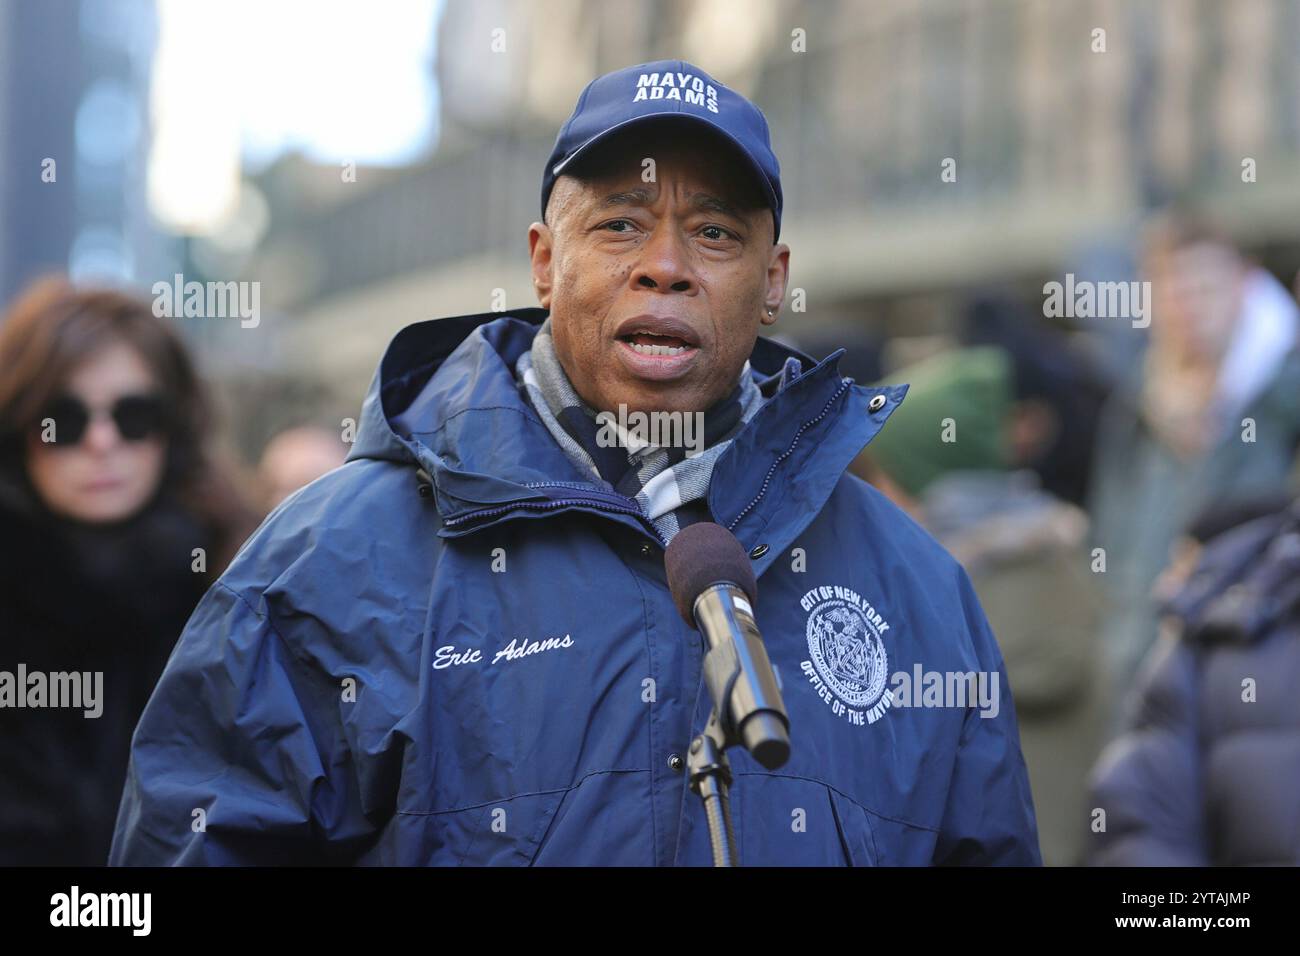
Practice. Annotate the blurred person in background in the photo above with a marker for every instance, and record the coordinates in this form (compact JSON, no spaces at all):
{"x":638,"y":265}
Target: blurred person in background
{"x":1215,"y":414}
{"x":1024,"y":551}
{"x":1206,"y":773}
{"x":1058,"y":393}
{"x":294,"y":458}
{"x":106,"y":488}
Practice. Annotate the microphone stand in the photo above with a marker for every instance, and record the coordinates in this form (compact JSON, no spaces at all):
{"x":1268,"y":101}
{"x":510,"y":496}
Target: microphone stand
{"x":710,"y":775}
{"x":747,"y":711}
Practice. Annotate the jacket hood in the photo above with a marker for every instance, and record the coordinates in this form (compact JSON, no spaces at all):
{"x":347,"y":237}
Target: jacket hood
{"x":444,"y":399}
{"x":1245,"y":584}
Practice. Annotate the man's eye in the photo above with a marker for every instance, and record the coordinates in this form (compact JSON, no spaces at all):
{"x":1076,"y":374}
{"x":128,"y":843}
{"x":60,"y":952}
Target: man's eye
{"x":617,"y":222}
{"x":722,"y":233}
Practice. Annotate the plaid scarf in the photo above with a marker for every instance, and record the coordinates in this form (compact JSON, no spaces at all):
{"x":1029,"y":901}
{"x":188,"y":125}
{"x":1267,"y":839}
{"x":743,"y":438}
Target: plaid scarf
{"x":661,"y":479}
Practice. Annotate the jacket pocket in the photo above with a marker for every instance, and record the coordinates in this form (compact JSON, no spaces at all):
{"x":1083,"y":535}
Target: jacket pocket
{"x":854,"y":827}
{"x":793,"y":821}
{"x":505,"y":832}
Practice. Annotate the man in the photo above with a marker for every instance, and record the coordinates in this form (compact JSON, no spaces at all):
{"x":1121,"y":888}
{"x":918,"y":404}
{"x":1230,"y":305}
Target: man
{"x":460,"y":647}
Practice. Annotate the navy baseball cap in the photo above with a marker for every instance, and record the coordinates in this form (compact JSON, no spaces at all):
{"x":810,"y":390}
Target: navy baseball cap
{"x":653,"y":91}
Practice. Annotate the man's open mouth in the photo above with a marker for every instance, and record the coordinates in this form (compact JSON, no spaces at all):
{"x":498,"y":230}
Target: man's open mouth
{"x":646,"y":343}
{"x":658,"y":348}
{"x":658,"y":336}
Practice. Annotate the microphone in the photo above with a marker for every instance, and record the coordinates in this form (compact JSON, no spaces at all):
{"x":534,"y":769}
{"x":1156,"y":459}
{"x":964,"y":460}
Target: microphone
{"x":713,"y":586}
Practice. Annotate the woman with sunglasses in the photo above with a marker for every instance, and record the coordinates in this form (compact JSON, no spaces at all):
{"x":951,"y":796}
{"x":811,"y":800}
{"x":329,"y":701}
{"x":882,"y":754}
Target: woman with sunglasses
{"x":114,"y":519}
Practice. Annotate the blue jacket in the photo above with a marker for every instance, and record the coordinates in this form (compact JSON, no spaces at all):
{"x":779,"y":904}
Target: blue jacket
{"x":453,"y":649}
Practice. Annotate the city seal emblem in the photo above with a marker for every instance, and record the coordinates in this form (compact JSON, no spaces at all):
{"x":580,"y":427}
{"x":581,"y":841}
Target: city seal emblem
{"x":848,"y":664}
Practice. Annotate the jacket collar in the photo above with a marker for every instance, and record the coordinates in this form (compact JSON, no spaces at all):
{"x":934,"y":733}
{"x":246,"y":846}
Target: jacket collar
{"x":445,"y":399}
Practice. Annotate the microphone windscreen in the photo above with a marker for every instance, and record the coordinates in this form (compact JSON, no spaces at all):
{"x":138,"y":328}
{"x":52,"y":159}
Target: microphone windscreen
{"x":702,"y":555}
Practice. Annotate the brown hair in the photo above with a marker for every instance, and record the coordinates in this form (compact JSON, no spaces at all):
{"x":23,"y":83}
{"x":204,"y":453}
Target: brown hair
{"x":52,"y":327}
{"x":1178,"y":227}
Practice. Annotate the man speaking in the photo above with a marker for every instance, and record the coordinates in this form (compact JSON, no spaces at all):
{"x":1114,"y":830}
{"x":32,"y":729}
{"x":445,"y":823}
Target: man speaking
{"x":461,"y":647}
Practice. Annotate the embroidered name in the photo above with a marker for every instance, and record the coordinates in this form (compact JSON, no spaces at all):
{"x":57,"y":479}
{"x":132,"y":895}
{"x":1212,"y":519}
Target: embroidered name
{"x":447,"y":655}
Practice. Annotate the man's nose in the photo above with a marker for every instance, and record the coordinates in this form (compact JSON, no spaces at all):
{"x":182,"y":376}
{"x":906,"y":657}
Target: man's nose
{"x":665,"y":262}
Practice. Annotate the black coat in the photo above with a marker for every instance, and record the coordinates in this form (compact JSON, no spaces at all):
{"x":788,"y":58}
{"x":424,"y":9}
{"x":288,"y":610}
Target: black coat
{"x":86,"y":599}
{"x":1207,"y":773}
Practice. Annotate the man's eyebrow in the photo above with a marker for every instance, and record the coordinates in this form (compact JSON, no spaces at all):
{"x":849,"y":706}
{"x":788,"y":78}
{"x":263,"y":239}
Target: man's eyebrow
{"x":630,"y":197}
{"x":716,"y":204}
{"x":700,"y":200}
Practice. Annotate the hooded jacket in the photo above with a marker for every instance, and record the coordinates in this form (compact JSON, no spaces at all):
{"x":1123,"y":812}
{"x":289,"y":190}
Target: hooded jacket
{"x":454,"y":649}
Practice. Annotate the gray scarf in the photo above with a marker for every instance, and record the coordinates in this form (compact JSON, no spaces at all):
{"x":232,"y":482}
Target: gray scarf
{"x":661,"y":479}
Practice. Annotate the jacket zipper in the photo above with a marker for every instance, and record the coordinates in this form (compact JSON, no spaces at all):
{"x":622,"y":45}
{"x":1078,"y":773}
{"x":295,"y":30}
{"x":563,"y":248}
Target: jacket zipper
{"x":844,"y":385}
{"x":599,"y":504}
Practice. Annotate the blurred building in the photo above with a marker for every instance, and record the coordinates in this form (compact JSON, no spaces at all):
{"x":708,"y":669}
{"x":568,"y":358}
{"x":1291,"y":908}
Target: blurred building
{"x":39,"y":88}
{"x":74,"y":85}
{"x":1063,"y":121}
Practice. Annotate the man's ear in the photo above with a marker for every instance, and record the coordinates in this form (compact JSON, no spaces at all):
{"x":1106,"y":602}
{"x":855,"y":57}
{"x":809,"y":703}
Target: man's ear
{"x":778,"y":274}
{"x":540,"y":250}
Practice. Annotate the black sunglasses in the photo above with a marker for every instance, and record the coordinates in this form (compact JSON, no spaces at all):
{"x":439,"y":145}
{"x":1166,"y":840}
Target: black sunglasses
{"x":137,"y":417}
